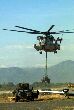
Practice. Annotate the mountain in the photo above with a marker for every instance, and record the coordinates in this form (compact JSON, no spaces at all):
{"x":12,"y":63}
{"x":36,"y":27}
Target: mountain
{"x":62,"y":72}
{"x":15,"y":74}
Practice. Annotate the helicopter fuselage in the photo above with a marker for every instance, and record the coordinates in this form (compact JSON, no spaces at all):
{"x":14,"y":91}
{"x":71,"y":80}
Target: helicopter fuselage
{"x":47,"y":44}
{"x":47,"y":48}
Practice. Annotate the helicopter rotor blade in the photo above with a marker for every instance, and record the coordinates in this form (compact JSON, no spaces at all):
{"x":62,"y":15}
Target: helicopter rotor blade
{"x":54,"y":33}
{"x":34,"y":32}
{"x":10,"y":30}
{"x":13,"y":30}
{"x":66,"y":31}
{"x":27,"y":28}
{"x":51,"y":27}
{"x":29,"y":32}
{"x":45,"y":33}
{"x":4,"y":29}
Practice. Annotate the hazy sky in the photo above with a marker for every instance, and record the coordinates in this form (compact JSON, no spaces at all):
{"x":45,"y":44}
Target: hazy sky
{"x":16,"y":49}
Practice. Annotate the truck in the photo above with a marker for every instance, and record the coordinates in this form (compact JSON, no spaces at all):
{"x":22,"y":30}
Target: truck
{"x":24,"y":93}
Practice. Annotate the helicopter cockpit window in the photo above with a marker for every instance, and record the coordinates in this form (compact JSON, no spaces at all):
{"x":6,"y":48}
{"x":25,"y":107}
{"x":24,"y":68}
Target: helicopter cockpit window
{"x":43,"y":41}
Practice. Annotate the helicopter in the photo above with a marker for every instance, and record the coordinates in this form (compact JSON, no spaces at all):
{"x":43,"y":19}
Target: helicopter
{"x":46,"y":41}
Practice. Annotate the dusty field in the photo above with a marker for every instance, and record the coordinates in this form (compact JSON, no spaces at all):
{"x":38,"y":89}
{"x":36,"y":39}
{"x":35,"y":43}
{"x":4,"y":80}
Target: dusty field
{"x":56,"y":104}
{"x":46,"y":102}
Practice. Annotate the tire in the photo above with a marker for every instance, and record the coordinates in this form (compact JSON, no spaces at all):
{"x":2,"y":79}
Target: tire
{"x":17,"y":98}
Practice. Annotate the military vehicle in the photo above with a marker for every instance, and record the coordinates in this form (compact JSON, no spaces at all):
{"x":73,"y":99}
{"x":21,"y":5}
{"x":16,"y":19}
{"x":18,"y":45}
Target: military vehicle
{"x":24,"y":93}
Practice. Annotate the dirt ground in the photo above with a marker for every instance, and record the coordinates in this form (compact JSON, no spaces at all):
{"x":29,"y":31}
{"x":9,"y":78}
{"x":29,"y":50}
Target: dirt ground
{"x":55,"y":104}
{"x":44,"y":102}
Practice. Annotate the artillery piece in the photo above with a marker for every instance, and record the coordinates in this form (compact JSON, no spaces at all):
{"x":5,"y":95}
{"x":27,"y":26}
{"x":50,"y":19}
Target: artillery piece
{"x":23,"y":92}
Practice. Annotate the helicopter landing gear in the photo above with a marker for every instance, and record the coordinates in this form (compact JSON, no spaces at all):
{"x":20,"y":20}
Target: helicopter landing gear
{"x":40,"y":52}
{"x":55,"y":51}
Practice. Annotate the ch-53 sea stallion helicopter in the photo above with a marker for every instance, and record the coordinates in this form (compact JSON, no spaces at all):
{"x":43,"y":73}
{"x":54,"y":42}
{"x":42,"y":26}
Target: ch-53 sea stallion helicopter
{"x":46,"y":40}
